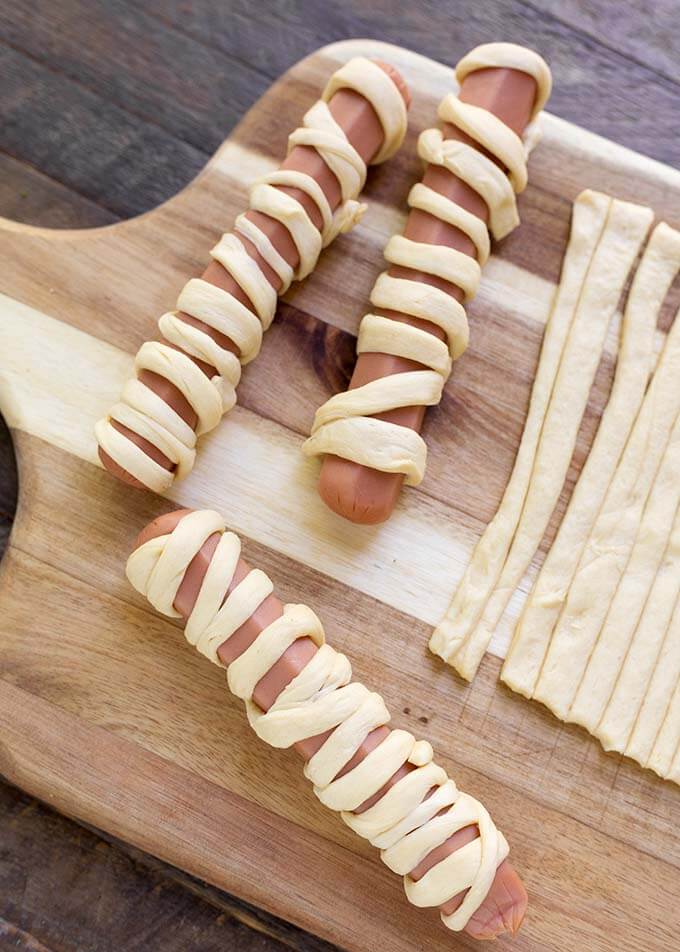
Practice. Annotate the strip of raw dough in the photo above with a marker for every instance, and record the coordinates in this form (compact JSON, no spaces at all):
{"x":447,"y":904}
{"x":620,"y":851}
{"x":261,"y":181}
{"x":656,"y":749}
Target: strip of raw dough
{"x":342,"y":426}
{"x":406,"y":823}
{"x":611,"y":720}
{"x":632,"y":652}
{"x":626,"y":229}
{"x":150,"y":417}
{"x":655,"y":273}
{"x":657,"y":700}
{"x":605,"y":556}
{"x":463,"y":645}
{"x":665,"y":756}
{"x":588,"y":221}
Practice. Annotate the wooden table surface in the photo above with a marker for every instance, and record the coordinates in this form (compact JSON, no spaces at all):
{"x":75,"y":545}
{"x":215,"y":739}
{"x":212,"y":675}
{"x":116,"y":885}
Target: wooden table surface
{"x":108,"y":107}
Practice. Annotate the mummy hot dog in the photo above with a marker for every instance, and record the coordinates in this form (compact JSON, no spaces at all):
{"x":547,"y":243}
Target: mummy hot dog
{"x":369,"y":436}
{"x":186,"y":381}
{"x":298,"y":691}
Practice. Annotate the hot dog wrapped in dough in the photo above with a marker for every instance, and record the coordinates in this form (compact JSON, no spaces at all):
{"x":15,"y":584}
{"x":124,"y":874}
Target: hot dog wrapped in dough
{"x":475,"y":166}
{"x":187,"y":380}
{"x":298,"y":691}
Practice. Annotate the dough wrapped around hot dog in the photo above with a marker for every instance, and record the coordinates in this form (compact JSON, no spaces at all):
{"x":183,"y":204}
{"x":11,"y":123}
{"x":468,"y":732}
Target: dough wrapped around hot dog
{"x":187,"y":380}
{"x":475,"y":166}
{"x":299,"y":691}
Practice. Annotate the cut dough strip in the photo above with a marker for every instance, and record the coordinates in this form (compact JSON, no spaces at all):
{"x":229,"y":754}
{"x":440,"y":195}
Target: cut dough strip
{"x":652,"y":731}
{"x":592,"y":706}
{"x":633,"y":650}
{"x":344,"y":432}
{"x":606,"y":237}
{"x":406,"y":822}
{"x":655,"y":273}
{"x":221,"y":311}
{"x":625,"y":231}
{"x":606,"y":553}
{"x":588,"y":221}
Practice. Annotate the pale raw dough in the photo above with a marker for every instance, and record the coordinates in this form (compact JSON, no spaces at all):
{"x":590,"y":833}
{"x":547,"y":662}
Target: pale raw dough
{"x":606,"y":238}
{"x":342,"y":426}
{"x":609,"y":717}
{"x":606,"y":553}
{"x":633,"y":651}
{"x":139,"y":408}
{"x":405,"y":824}
{"x":655,"y":273}
{"x":650,"y":733}
{"x":588,"y":221}
{"x":665,"y":755}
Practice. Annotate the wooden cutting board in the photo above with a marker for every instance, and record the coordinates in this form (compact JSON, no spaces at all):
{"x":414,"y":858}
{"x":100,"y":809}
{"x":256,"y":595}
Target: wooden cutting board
{"x":108,"y":715}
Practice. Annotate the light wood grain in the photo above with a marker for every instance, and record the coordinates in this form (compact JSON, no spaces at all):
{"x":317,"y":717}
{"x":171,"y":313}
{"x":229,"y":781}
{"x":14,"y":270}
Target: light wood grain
{"x":106,"y":713}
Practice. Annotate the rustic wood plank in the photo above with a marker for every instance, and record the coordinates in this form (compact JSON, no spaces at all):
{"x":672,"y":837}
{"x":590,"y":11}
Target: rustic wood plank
{"x":595,"y":84}
{"x":66,"y":888}
{"x":27,"y":195}
{"x":647,"y":34}
{"x":136,"y":62}
{"x":257,"y":920}
{"x":215,"y":62}
{"x":91,"y":140}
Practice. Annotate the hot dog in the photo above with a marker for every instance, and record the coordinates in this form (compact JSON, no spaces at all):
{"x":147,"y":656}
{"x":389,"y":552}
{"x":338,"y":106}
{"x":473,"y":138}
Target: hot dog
{"x":158,"y":549}
{"x":358,"y":492}
{"x":363,"y":124}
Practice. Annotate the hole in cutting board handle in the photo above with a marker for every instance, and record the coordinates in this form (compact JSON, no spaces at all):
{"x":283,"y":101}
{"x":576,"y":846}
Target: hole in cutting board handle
{"x":8,"y":485}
